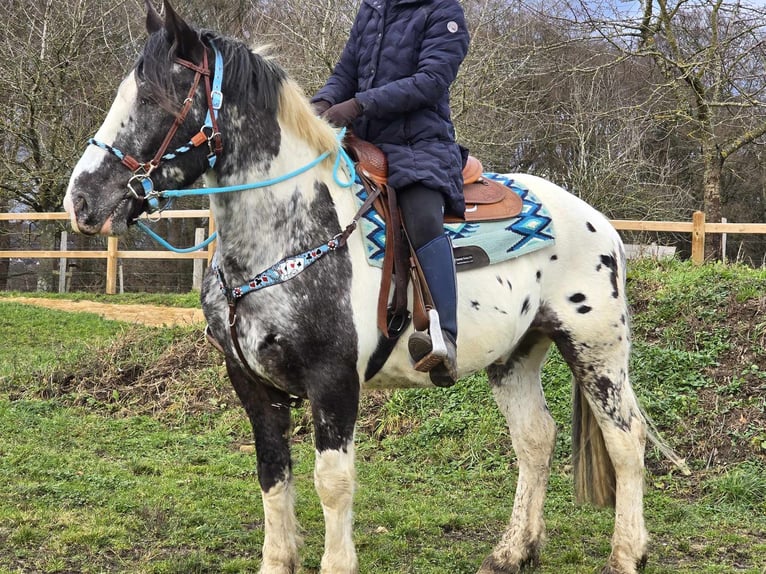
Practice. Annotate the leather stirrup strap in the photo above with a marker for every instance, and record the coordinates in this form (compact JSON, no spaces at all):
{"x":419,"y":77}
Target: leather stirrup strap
{"x":394,"y":319}
{"x":421,"y":294}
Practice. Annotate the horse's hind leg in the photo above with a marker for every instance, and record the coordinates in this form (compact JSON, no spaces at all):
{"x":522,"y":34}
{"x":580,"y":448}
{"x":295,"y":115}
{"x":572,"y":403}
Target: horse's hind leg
{"x":608,"y":438}
{"x":518,"y":392}
{"x":269,"y":412}
{"x":334,"y":408}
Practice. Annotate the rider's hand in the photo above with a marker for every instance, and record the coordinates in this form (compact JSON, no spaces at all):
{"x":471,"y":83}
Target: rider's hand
{"x":342,"y":114}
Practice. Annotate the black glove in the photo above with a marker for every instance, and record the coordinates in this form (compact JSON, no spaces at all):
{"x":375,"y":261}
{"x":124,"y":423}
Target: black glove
{"x":320,"y":106}
{"x":342,"y":114}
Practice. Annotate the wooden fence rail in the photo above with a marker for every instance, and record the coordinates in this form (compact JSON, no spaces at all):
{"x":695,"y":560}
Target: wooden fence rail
{"x":112,"y":254}
{"x":698,"y":228}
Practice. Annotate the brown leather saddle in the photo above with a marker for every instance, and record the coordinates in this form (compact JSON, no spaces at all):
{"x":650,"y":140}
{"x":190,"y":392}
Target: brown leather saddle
{"x":485,"y":199}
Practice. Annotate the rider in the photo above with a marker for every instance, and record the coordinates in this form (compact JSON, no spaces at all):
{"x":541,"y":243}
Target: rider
{"x":391,"y":85}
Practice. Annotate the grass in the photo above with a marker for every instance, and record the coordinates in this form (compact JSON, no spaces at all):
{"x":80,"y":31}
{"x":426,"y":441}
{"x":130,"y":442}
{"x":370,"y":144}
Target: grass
{"x":100,"y":473}
{"x":38,"y":339}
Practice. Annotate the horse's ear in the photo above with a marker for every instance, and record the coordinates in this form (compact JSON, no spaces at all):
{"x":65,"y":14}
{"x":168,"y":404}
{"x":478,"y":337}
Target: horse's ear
{"x":154,"y":21}
{"x":184,"y":38}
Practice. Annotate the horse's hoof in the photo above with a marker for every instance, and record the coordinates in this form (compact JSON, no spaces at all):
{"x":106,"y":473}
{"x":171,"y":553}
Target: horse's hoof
{"x":491,"y":566}
{"x":612,"y":569}
{"x":512,"y":562}
{"x":277,"y":569}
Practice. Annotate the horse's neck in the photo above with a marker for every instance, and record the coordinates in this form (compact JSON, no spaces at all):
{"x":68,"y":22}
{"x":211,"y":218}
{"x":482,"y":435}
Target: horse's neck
{"x":258,"y":227}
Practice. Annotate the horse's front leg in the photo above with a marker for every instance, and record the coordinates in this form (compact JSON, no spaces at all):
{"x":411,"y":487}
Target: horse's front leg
{"x":334,"y":407}
{"x":269,"y":413}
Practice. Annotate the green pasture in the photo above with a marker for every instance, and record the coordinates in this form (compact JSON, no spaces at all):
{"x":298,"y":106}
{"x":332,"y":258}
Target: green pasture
{"x":122,"y":449}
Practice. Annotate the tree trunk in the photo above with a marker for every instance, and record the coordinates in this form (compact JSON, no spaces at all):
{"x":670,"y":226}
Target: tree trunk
{"x":48,"y":233}
{"x":711,"y":205}
{"x":5,"y":263}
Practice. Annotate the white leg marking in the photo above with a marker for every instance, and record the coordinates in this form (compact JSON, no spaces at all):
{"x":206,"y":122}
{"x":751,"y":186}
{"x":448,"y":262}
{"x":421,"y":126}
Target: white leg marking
{"x":626,"y":449}
{"x":281,"y":540}
{"x":335,"y":481}
{"x":533,"y":433}
{"x":625,"y":446}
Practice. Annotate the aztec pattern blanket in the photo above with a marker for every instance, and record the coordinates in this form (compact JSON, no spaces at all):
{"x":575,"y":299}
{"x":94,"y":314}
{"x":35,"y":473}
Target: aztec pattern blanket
{"x":500,"y":240}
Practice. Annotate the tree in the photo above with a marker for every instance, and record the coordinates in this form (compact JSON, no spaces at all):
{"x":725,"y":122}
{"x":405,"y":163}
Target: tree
{"x":708,"y":59}
{"x":58,"y":61}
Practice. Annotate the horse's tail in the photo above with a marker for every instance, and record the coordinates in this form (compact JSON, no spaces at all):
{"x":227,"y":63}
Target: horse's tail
{"x":654,"y":437}
{"x":594,"y":475}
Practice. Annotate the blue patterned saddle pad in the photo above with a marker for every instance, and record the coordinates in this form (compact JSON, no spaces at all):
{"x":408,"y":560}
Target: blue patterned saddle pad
{"x":496,"y":241}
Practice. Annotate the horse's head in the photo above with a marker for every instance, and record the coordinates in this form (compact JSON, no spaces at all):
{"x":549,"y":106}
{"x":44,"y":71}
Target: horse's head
{"x":142,"y":144}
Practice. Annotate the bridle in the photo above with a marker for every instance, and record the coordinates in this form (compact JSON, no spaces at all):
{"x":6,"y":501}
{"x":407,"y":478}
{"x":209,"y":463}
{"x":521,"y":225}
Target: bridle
{"x":140,"y":184}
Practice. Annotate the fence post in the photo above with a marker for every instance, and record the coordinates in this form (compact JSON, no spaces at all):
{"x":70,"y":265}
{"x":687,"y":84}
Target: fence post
{"x":210,"y":231}
{"x":111,"y":265}
{"x":199,"y":237}
{"x":698,"y":238}
{"x":62,"y":263}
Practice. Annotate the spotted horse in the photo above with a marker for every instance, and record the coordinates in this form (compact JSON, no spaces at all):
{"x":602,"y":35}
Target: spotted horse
{"x":313,"y":336}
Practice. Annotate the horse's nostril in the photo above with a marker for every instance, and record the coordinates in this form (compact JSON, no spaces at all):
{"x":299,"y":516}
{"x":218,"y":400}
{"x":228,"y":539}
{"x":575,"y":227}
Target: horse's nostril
{"x":80,"y":204}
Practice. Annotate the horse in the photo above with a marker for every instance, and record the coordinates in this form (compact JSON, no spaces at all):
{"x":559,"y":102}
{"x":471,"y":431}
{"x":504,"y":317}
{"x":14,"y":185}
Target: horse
{"x":314,"y":337}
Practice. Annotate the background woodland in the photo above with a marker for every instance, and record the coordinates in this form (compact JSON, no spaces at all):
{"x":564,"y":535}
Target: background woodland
{"x":647,"y":110}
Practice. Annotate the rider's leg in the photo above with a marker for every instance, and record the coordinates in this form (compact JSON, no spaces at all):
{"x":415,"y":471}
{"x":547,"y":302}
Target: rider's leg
{"x":423,"y":214}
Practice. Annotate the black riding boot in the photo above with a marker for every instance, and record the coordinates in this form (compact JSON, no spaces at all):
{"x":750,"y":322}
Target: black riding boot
{"x":436,"y":351}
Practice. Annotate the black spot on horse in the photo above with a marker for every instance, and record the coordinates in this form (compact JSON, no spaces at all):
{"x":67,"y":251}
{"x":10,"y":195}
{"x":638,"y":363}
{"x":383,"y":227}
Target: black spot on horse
{"x":510,"y":285}
{"x":525,"y":306}
{"x":577,"y":298}
{"x":538,"y":275}
{"x":554,"y":257}
{"x":604,"y":385}
{"x":475,"y":305}
{"x":610,"y":262}
{"x":497,"y":371}
{"x":267,"y":341}
{"x":582,"y":309}
{"x":590,"y":227}
{"x":499,"y":279}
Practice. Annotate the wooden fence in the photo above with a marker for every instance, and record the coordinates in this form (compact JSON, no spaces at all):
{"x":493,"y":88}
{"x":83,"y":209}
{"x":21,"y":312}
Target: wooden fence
{"x":698,"y":228}
{"x":112,"y":254}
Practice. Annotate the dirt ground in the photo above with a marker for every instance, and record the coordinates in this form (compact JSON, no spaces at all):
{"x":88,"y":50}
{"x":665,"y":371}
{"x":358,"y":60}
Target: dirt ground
{"x":153,"y":315}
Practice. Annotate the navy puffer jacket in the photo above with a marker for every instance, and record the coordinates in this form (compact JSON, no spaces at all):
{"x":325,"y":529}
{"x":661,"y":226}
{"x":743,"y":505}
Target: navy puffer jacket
{"x":399,"y":62}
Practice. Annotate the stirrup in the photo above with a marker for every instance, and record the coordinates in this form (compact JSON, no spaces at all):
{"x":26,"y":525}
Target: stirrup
{"x":438,"y":350}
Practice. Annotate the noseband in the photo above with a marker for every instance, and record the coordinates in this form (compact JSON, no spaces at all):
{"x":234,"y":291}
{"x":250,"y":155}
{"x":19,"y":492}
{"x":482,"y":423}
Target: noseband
{"x":140,"y":184}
